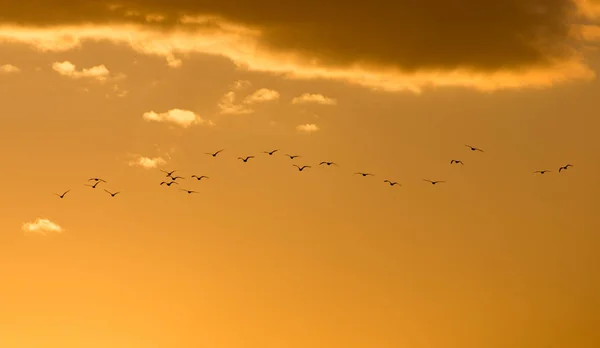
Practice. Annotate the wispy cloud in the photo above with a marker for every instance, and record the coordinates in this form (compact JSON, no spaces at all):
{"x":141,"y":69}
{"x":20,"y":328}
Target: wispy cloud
{"x":42,"y":226}
{"x":66,"y":68}
{"x":227,"y":105}
{"x":240,"y":84}
{"x":147,"y":162}
{"x":307,"y":98}
{"x":307,"y":128}
{"x":261,"y":96}
{"x":9,"y":69}
{"x":179,"y":117}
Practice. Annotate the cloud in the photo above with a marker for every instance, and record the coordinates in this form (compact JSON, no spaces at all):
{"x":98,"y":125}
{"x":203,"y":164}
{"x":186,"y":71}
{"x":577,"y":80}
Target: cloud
{"x":147,"y":162}
{"x":8,"y":69}
{"x":42,"y":226}
{"x":314,"y":98}
{"x":227,"y":105}
{"x":182,"y":118}
{"x":507,"y":44}
{"x":240,"y":84}
{"x":119,"y":92}
{"x":66,"y":68}
{"x":307,"y":128}
{"x":261,"y":96}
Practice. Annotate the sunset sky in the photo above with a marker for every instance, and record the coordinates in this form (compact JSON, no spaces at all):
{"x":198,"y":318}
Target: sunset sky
{"x":266,"y":256}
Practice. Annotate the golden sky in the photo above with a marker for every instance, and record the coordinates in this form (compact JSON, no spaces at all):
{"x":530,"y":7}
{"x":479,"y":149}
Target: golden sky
{"x":267,"y":256}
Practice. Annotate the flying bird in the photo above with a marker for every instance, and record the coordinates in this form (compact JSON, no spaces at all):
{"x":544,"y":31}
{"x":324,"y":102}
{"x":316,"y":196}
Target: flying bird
{"x":328,"y":163}
{"x":112,"y":194}
{"x":564,"y":167}
{"x":433,"y":182}
{"x":364,"y":174}
{"x":93,"y":186}
{"x":188,"y":191}
{"x":270,"y":153}
{"x":473,"y":148}
{"x":214,"y":154}
{"x":246,"y":159}
{"x":177,"y":177}
{"x":542,"y":171}
{"x":292,"y":156}
{"x":63,"y":195}
{"x":392,"y":183}
{"x":456,"y":161}
{"x":200,"y":177}
{"x":169,"y":183}
{"x":301,"y":168}
{"x":168,"y":173}
{"x":96,"y":180}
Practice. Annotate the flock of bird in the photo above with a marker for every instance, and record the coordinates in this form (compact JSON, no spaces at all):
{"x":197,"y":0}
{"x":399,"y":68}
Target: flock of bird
{"x":172,"y":180}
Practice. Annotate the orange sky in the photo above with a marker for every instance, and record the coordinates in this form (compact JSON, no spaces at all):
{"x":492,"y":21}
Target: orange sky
{"x":267,"y":256}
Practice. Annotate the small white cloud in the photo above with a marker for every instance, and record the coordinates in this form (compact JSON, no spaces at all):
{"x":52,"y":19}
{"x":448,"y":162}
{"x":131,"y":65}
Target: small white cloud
{"x":147,"y":162}
{"x":227,"y":105}
{"x":9,"y":69}
{"x":173,"y":62}
{"x":119,"y":92}
{"x":42,"y":226}
{"x":66,"y":68}
{"x":261,"y":96}
{"x":182,"y":118}
{"x":240,"y":84}
{"x":307,"y":128}
{"x":314,"y":98}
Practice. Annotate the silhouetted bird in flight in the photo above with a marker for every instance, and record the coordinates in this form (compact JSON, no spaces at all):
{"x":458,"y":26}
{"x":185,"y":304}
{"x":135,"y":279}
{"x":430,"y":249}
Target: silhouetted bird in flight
{"x":246,"y":159}
{"x":364,"y":174}
{"x":112,"y":194}
{"x":328,"y":163}
{"x":473,"y":148}
{"x":541,"y":171}
{"x":292,"y":156}
{"x":214,"y":154}
{"x":456,"y":161}
{"x":169,"y":183}
{"x":301,"y":168}
{"x":200,"y":177}
{"x":392,"y":183}
{"x":188,"y":191}
{"x":93,"y":186}
{"x":96,"y":180}
{"x":270,"y":153}
{"x":564,"y":167}
{"x":168,"y":173}
{"x":177,"y":177}
{"x":433,"y":182}
{"x":63,"y":195}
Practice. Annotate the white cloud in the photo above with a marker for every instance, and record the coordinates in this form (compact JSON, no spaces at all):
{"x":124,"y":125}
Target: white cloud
{"x":42,"y":226}
{"x":261,"y":96}
{"x":240,"y":84}
{"x":182,"y":118}
{"x":173,"y":62}
{"x":119,"y":91}
{"x":8,"y":69}
{"x":147,"y":162}
{"x":227,"y":105}
{"x":307,"y":128}
{"x":314,"y":98}
{"x":66,"y":68}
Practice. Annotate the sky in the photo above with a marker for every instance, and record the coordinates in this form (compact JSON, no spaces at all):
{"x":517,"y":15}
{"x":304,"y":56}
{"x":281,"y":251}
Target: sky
{"x":262,"y":254}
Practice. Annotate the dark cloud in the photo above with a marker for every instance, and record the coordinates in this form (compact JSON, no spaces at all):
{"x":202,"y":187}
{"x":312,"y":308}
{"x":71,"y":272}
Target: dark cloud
{"x":485,"y":35}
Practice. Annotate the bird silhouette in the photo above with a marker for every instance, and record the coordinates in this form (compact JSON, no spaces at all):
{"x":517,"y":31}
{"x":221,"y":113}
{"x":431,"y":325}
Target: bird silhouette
{"x":93,"y":186}
{"x":564,"y":167}
{"x":246,"y":159}
{"x":214,"y":154}
{"x":473,"y":148}
{"x":364,"y":174}
{"x":177,"y":177}
{"x":200,"y":177}
{"x":188,"y":191}
{"x":433,"y":182}
{"x":541,"y":171}
{"x":96,"y":180}
{"x":292,"y":156}
{"x":112,"y":194}
{"x":456,"y":161}
{"x":63,"y":195}
{"x":270,"y":153}
{"x":301,"y":168}
{"x":328,"y":163}
{"x":168,"y":173}
{"x":169,"y":183}
{"x":392,"y":183}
